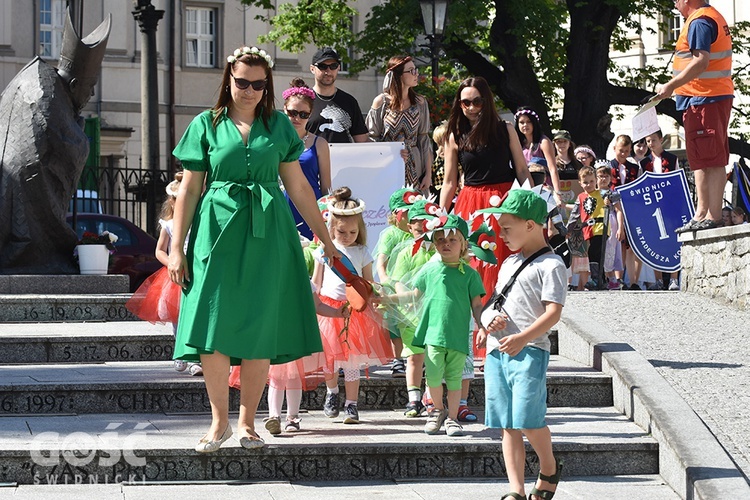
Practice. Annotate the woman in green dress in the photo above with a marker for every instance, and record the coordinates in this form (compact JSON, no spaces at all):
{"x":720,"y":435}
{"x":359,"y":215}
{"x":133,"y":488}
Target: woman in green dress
{"x":246,"y":294}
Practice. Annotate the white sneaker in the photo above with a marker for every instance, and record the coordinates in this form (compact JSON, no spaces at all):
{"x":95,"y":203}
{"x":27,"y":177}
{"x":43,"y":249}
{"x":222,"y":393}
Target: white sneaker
{"x":180,"y":365}
{"x":196,"y":370}
{"x":673,"y":285}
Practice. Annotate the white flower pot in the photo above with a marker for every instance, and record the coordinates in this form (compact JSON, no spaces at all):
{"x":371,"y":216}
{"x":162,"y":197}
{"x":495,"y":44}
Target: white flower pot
{"x":93,"y":259}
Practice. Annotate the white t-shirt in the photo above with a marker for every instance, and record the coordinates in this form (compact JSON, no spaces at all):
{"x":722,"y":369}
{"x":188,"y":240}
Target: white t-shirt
{"x":169,"y":226}
{"x":544,"y":280}
{"x":332,"y":286}
{"x":657,"y":164}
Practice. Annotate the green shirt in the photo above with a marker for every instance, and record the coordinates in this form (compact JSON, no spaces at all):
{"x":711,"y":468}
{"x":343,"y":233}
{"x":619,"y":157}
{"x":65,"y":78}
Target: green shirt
{"x":446,"y":306}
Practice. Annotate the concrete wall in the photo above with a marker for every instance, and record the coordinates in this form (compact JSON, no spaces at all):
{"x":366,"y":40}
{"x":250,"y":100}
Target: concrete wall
{"x":716,"y":263}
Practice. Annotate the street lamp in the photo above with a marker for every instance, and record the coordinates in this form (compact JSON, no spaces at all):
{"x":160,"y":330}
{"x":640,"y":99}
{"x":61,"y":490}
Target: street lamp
{"x":433,"y":17}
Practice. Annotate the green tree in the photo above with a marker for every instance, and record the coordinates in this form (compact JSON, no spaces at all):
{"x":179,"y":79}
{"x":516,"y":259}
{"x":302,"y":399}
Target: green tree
{"x":541,"y":53}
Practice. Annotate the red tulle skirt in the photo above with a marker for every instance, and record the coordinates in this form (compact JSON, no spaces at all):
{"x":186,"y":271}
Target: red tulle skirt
{"x":157,"y":300}
{"x":365,"y":341}
{"x":304,"y":373}
{"x":471,"y":199}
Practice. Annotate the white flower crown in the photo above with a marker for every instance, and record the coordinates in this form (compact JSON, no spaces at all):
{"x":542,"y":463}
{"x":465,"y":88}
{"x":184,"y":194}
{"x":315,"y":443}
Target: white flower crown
{"x":250,"y":50}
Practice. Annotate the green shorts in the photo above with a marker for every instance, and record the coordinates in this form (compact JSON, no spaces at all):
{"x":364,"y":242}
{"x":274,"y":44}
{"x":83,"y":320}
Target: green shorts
{"x":407,"y":336}
{"x":444,"y":364}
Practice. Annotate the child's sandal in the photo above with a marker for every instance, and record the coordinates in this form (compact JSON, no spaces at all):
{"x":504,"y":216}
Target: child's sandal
{"x":553,"y":479}
{"x":514,"y":495}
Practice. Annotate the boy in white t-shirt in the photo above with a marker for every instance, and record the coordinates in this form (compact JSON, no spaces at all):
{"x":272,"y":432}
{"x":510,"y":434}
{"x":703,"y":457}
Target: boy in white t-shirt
{"x":518,"y":344}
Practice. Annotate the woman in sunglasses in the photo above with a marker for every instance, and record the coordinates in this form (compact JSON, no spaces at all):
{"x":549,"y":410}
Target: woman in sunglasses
{"x":315,"y":160}
{"x":246,"y":293}
{"x":490,"y":155}
{"x":401,"y":115}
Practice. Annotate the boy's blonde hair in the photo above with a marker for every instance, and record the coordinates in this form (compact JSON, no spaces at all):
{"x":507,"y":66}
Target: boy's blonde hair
{"x":464,"y":243}
{"x":438,"y":135}
{"x":624,"y":140}
{"x":343,"y":199}
{"x":584,"y":171}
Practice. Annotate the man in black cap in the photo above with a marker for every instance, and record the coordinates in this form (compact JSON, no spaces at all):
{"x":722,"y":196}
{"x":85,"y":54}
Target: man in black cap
{"x":336,"y":115}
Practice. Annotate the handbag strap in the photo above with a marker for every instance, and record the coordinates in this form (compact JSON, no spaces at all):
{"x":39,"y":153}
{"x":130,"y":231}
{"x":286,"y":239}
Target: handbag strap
{"x":498,"y":299}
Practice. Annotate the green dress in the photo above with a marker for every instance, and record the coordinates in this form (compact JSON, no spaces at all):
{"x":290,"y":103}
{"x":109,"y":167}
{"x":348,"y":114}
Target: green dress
{"x":249,"y":293}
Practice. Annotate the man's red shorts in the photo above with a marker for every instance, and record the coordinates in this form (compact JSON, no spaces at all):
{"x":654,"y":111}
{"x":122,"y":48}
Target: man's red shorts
{"x":706,"y":134}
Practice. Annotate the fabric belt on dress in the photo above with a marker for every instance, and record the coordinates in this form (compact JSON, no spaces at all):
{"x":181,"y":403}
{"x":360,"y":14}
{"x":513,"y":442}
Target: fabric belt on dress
{"x":260,"y":198}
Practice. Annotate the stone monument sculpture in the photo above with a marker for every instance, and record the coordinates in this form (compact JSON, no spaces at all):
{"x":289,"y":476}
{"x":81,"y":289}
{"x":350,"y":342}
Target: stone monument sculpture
{"x":43,"y":150}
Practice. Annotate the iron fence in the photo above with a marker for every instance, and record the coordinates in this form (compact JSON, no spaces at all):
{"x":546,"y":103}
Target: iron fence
{"x":135,"y":194}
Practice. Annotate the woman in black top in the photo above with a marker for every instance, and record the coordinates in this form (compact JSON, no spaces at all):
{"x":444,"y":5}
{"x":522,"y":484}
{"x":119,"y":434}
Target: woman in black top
{"x":491,"y":156}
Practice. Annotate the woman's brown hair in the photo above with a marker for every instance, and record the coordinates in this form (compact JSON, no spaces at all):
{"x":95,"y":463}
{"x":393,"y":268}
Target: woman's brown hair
{"x":396,"y":66}
{"x":486,"y":130}
{"x":265,"y":107}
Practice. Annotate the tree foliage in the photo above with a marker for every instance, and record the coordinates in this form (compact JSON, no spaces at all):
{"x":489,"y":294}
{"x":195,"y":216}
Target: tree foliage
{"x":548,"y":54}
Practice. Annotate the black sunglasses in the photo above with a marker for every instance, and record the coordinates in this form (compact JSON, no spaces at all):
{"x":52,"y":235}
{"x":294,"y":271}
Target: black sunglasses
{"x":242,"y":84}
{"x":476,"y":102}
{"x":293,"y":113}
{"x":323,"y":66}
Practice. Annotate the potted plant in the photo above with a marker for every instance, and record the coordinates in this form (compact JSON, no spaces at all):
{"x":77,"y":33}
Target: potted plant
{"x":93,"y":252}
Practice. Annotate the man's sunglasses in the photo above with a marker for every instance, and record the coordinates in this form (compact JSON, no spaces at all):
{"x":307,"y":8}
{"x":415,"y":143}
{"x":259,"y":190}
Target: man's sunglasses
{"x":293,"y":113}
{"x":243,"y":84}
{"x":476,"y":102}
{"x":323,"y":66}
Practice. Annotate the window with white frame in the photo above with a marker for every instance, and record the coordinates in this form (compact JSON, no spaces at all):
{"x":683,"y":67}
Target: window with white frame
{"x":349,"y":50}
{"x":674,"y":26}
{"x":51,"y":19}
{"x":200,"y":37}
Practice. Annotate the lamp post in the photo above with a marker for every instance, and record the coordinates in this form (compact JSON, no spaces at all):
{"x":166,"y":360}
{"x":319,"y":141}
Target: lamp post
{"x":433,"y":17}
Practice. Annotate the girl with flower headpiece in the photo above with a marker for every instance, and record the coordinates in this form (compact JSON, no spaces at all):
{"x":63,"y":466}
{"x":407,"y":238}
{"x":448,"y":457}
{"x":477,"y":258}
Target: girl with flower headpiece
{"x":315,"y":160}
{"x":537,"y":145}
{"x":361,"y":338}
{"x":401,"y":115}
{"x":158,"y":299}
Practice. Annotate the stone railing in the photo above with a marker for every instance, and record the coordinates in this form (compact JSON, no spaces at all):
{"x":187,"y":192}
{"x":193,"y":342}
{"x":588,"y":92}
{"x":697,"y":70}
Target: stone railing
{"x":716,"y":263}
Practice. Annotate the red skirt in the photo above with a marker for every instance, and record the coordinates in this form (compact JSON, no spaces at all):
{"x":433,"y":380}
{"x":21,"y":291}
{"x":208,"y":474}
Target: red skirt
{"x":471,"y":199}
{"x":157,"y":300}
{"x":365,"y":341}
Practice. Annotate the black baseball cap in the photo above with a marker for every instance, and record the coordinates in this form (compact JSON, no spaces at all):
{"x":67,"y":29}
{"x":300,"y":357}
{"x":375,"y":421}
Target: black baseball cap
{"x":325,"y":54}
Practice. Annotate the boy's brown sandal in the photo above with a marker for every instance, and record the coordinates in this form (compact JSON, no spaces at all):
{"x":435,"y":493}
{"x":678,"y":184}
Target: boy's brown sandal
{"x":514,"y":495}
{"x":553,"y":479}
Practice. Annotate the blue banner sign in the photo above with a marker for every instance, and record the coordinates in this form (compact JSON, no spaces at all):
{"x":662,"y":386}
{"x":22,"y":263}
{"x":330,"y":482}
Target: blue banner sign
{"x":654,"y":205}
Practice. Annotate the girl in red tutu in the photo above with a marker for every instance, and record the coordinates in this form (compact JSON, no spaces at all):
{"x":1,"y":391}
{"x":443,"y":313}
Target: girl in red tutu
{"x":304,"y":374}
{"x":158,"y":299}
{"x":361,"y":338}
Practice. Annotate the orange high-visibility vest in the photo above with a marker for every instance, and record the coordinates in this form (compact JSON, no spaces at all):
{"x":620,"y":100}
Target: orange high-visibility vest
{"x":716,"y":80}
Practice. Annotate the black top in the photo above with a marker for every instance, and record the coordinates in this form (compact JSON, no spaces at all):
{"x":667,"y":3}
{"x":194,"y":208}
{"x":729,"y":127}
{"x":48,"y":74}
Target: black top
{"x":491,"y":164}
{"x":337,"y":118}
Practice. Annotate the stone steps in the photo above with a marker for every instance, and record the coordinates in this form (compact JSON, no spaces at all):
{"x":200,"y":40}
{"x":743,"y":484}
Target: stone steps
{"x":386,"y":445}
{"x":93,"y":342}
{"x":33,"y":308}
{"x":35,"y":343}
{"x":143,"y":387}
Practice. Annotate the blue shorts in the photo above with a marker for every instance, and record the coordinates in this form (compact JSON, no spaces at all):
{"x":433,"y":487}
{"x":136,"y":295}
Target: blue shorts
{"x":516,"y":389}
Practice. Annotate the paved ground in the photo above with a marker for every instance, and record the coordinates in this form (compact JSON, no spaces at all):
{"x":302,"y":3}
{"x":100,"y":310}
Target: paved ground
{"x":698,"y":345}
{"x":611,"y":487}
